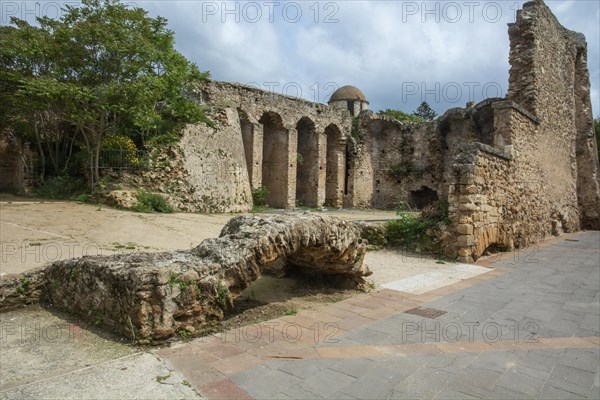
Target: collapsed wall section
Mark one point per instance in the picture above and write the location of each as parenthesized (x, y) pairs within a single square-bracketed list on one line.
[(150, 297)]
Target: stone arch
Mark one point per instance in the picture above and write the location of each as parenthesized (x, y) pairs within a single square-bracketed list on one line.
[(335, 174), (307, 172), (275, 153)]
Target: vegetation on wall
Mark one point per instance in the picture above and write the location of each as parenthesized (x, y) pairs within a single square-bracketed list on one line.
[(355, 130), (418, 231), (259, 199), (423, 113), (400, 116), (101, 69)]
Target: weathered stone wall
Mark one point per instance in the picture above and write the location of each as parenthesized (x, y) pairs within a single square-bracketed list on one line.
[(204, 172), (534, 170), (397, 160), (287, 143), (549, 78), (214, 159)]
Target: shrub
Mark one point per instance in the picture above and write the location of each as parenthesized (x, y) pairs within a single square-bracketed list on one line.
[(119, 151), (401, 116), (61, 187), (259, 196), (151, 202), (163, 140), (412, 230), (408, 229)]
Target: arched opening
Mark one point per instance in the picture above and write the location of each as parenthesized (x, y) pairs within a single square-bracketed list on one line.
[(275, 159), (335, 167), (423, 197), (307, 175), (248, 140)]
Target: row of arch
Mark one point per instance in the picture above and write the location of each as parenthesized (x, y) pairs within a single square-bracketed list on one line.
[(297, 166)]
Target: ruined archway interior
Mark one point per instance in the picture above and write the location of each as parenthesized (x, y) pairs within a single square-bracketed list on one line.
[(275, 159)]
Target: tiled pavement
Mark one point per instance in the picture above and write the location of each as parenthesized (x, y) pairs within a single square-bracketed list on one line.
[(529, 328)]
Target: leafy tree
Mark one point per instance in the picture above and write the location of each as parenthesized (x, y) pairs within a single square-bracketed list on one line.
[(401, 116), (102, 68), (425, 111)]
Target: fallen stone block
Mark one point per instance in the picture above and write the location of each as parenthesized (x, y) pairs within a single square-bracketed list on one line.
[(151, 297)]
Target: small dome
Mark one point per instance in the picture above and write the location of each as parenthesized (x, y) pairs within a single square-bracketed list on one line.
[(348, 93)]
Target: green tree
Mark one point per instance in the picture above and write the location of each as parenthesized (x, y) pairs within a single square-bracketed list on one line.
[(400, 116), (425, 111), (105, 68)]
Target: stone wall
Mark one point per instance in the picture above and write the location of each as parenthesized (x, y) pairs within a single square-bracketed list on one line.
[(216, 166), (293, 147), (397, 160), (532, 170), (549, 78)]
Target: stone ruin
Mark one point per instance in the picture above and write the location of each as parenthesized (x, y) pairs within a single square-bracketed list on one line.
[(150, 297), (513, 170)]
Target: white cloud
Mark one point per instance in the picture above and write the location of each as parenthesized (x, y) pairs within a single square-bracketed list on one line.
[(379, 46)]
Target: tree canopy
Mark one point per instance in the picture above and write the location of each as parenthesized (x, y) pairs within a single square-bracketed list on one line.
[(102, 68), (400, 116), (425, 111)]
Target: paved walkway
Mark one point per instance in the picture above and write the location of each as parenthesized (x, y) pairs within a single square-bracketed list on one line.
[(529, 328)]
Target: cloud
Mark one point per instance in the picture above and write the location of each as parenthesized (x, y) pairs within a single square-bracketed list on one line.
[(380, 46)]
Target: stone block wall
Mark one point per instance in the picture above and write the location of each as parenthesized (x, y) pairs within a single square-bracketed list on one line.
[(295, 148), (396, 159), (550, 79)]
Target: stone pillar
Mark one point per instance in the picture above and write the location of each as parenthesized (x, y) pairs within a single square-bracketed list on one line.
[(322, 157), (341, 172), (257, 156), (292, 165)]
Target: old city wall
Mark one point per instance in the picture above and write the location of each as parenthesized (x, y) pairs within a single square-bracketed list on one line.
[(397, 160), (549, 77), (536, 174), (490, 202), (294, 148)]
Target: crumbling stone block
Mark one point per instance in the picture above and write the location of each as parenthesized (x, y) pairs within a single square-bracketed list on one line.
[(150, 297)]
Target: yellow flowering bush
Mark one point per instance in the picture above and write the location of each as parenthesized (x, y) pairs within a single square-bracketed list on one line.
[(128, 151)]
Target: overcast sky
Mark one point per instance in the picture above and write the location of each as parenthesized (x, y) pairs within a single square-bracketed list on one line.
[(398, 53)]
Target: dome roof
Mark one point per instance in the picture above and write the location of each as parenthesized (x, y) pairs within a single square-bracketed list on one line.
[(348, 93)]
